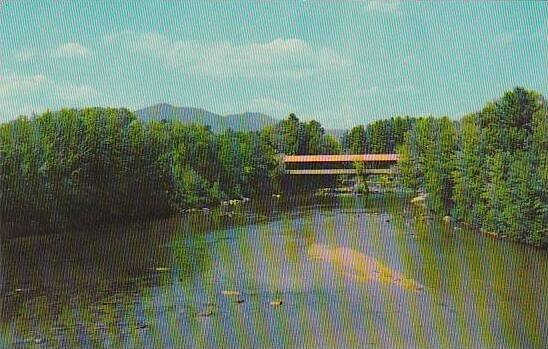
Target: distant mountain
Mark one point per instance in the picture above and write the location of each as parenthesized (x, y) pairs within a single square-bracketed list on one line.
[(250, 121), (247, 121)]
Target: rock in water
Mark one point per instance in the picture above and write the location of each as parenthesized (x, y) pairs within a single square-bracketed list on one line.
[(493, 234), (206, 313), (276, 303), (418, 200)]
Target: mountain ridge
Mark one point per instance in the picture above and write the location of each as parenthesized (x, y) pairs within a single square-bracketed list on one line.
[(246, 121)]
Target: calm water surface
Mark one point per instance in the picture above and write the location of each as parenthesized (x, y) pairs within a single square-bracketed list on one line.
[(341, 272)]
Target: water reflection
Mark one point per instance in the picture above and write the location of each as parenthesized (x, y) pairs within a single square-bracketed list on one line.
[(341, 272)]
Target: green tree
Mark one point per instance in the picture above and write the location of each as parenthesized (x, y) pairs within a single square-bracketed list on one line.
[(356, 140)]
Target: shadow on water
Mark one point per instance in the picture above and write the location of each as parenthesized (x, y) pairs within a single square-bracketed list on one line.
[(322, 272)]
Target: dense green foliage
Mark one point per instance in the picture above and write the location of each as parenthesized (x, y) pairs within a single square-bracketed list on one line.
[(489, 170), (76, 167), (431, 146), (379, 137), (79, 167), (293, 137)]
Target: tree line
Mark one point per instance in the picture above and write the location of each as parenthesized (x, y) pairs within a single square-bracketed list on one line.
[(379, 137), (488, 170), (79, 167), (293, 137), (75, 167), (82, 166)]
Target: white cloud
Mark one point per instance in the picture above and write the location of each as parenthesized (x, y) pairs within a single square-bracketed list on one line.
[(29, 109), (383, 6), (67, 50), (504, 39), (26, 54), (17, 94), (25, 94), (70, 50), (280, 58), (12, 85), (510, 38), (406, 88), (77, 93)]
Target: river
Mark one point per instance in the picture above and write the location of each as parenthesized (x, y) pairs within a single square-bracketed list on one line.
[(333, 272)]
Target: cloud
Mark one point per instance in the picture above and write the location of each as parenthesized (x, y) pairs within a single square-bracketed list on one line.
[(75, 93), (504, 39), (280, 58), (406, 88), (70, 50), (13, 85), (26, 109), (27, 54), (24, 94), (17, 92), (382, 6), (510, 38)]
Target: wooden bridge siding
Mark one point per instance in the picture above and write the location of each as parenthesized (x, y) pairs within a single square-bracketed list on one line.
[(293, 161), (341, 158), (340, 171)]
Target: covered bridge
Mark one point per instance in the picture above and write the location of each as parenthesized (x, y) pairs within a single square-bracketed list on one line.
[(339, 164)]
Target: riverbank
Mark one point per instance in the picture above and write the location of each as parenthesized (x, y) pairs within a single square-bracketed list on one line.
[(419, 202), (231, 213), (198, 280)]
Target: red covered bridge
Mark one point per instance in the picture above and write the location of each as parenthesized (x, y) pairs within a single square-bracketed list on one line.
[(339, 164)]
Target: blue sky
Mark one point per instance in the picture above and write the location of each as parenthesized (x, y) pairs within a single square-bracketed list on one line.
[(342, 63)]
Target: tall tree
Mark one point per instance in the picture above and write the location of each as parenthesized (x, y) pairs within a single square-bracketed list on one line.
[(356, 140)]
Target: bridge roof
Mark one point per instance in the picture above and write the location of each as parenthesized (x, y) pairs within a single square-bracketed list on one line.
[(341, 158)]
